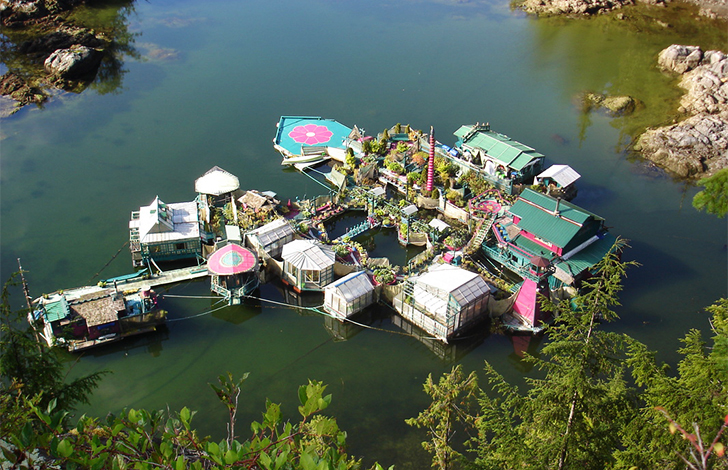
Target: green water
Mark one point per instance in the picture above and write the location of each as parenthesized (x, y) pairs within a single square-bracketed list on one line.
[(210, 81)]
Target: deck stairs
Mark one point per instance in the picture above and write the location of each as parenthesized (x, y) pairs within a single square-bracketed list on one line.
[(481, 232), (356, 230)]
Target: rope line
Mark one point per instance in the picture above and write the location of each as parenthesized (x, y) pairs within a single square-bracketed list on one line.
[(199, 314), (190, 296), (108, 263), (316, 309)]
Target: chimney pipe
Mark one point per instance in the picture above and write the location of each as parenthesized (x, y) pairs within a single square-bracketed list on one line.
[(556, 211)]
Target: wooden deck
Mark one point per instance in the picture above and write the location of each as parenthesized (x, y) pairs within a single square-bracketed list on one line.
[(166, 277)]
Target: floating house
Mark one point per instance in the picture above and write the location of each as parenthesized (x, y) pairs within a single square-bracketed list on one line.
[(88, 317), (496, 156), (543, 236), (307, 265), (444, 301), (233, 272), (165, 232), (349, 295), (269, 239)]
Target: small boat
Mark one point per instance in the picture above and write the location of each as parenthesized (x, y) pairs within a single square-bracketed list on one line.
[(298, 159)]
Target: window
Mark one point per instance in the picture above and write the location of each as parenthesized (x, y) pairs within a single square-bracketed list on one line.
[(311, 275)]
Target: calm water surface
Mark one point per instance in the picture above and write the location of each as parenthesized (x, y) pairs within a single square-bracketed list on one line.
[(208, 87)]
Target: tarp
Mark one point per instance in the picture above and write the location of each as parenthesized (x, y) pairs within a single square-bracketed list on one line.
[(525, 305)]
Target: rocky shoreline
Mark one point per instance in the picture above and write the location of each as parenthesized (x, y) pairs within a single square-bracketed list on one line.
[(62, 55), (697, 146)]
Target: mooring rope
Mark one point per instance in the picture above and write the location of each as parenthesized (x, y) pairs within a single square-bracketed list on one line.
[(108, 263), (316, 309), (190, 296), (199, 314)]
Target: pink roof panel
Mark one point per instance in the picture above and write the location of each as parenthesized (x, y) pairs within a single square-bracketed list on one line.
[(231, 259)]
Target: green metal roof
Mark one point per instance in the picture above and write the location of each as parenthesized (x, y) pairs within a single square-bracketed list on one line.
[(498, 146), (589, 256), (536, 211), (57, 310)]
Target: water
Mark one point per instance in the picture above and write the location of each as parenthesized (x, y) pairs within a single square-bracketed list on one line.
[(208, 87)]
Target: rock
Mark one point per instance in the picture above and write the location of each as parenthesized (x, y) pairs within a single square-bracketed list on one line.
[(697, 146), (680, 59), (15, 87), (613, 105), (75, 62), (693, 148)]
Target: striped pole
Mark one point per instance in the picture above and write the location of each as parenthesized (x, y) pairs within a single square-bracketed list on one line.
[(431, 164)]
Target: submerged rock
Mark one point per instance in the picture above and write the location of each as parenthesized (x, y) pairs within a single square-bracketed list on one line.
[(78, 61), (613, 105), (697, 146)]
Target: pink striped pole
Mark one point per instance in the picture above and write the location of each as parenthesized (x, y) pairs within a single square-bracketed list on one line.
[(431, 164)]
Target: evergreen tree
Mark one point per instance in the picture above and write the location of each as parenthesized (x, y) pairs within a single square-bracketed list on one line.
[(714, 198), (697, 394), (570, 418), (29, 365)]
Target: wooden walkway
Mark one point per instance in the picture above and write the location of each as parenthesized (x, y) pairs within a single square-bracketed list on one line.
[(166, 277)]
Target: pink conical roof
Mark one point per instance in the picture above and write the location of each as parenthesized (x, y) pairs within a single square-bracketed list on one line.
[(231, 259)]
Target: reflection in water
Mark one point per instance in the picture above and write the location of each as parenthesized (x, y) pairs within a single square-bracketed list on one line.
[(450, 353), (639, 34), (27, 44)]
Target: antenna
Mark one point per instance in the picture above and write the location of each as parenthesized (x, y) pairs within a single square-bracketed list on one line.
[(25, 287)]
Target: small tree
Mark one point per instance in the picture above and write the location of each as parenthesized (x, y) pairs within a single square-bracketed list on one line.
[(32, 365)]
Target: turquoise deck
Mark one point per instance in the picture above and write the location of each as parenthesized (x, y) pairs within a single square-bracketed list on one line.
[(296, 131)]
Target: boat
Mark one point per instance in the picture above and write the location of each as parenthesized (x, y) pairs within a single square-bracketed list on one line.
[(90, 316), (309, 155)]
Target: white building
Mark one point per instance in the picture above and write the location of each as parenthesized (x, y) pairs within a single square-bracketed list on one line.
[(443, 301), (349, 295)]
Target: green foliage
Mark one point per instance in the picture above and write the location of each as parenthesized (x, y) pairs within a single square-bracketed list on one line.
[(385, 136), (451, 397), (573, 415), (398, 128), (402, 147), (37, 369), (350, 159), (714, 198), (697, 394), (140, 439), (413, 176), (395, 167)]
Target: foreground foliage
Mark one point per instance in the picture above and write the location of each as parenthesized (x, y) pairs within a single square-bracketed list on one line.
[(35, 429), (584, 411), (36, 437)]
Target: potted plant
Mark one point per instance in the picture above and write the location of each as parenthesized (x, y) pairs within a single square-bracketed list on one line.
[(384, 276)]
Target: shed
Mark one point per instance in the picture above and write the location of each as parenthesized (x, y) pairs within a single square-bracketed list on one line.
[(271, 237), (444, 301), (561, 175), (307, 265), (349, 295), (507, 158)]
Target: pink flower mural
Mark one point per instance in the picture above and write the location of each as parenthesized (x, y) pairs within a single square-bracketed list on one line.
[(311, 134)]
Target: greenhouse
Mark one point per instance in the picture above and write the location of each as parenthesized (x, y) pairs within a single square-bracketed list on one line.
[(307, 265), (349, 295), (444, 301)]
